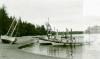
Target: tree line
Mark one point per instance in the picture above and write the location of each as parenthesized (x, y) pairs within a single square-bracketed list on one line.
[(23, 28)]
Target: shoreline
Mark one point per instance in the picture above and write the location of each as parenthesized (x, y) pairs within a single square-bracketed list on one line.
[(8, 51), (14, 53)]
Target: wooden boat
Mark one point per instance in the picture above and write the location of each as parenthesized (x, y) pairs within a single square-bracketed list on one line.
[(70, 40), (56, 40), (9, 39), (65, 35)]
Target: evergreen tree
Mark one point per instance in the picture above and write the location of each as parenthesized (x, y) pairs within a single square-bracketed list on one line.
[(4, 21), (23, 28)]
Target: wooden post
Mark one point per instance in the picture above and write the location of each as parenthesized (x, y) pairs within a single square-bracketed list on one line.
[(71, 36)]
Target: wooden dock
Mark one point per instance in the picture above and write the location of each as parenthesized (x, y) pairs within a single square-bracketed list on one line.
[(65, 42)]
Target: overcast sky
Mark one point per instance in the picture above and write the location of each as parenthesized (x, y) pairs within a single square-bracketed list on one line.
[(75, 14)]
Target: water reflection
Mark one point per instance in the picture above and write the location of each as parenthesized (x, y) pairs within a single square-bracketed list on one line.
[(91, 51), (69, 52)]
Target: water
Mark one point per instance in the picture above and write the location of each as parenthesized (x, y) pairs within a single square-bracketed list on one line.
[(90, 51)]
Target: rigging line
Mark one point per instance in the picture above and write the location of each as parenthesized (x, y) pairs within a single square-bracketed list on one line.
[(10, 27), (14, 28)]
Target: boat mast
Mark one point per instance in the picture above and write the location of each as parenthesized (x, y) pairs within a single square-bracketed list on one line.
[(71, 39), (66, 33), (57, 33), (10, 27), (48, 29), (14, 29)]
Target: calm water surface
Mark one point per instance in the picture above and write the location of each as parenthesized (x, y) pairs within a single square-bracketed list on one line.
[(91, 51)]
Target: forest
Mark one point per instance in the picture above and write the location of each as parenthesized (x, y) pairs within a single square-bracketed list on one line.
[(22, 29)]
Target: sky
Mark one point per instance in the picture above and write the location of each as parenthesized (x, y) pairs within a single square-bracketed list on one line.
[(75, 14)]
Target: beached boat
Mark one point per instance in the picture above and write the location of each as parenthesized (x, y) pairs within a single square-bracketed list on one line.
[(9, 38)]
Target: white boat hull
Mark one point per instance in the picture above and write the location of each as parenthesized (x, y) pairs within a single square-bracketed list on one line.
[(8, 39), (53, 43)]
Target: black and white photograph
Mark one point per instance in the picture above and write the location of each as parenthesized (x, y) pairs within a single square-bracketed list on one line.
[(49, 29)]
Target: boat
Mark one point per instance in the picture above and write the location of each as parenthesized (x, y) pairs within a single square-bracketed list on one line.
[(45, 40), (65, 34), (59, 40), (9, 38), (53, 43), (70, 40)]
